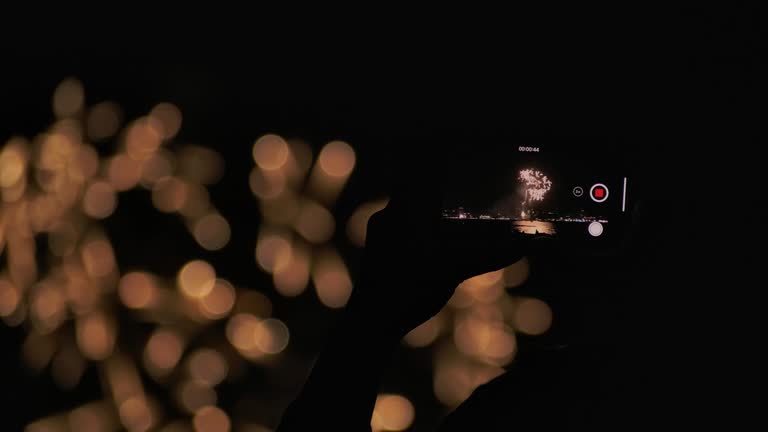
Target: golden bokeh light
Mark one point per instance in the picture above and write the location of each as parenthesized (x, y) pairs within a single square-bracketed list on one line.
[(357, 225), (241, 331), (96, 336), (13, 162), (56, 151), (314, 222), (98, 257), (270, 152), (212, 231), (82, 291), (300, 160), (485, 340), (68, 98), (192, 395), (200, 165), (266, 184), (392, 413), (197, 203), (207, 366), (22, 266), (71, 128), (103, 120), (67, 367), (271, 336), (281, 210), (169, 117), (92, 417), (123, 172), (532, 316), (331, 279), (143, 138), (170, 194), (136, 414), (10, 297), (42, 213), (16, 318), (99, 200), (87, 164), (163, 351), (337, 159), (137, 290), (13, 169), (196, 279), (16, 192), (122, 378), (157, 167), (48, 309), (472, 335), (273, 251), (219, 301), (211, 419), (292, 279), (331, 172)]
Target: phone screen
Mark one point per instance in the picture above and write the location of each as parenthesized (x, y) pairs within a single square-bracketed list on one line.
[(574, 189)]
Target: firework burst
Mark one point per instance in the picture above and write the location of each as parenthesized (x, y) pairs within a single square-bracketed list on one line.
[(536, 186)]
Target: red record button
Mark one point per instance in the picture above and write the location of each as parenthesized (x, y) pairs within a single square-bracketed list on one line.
[(599, 192)]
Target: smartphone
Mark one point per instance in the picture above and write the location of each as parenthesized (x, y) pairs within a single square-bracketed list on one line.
[(572, 190)]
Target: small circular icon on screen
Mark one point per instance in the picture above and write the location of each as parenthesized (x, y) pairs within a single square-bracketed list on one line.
[(595, 229), (599, 192), (578, 191)]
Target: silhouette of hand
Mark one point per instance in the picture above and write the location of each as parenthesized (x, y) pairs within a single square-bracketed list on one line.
[(414, 260)]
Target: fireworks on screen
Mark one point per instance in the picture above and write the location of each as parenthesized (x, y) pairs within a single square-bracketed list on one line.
[(536, 185)]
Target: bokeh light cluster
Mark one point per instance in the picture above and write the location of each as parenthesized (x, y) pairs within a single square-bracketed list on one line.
[(70, 295), (296, 193)]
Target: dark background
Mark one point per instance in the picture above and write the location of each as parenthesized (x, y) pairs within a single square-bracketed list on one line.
[(684, 92)]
